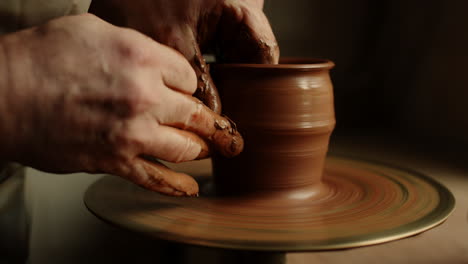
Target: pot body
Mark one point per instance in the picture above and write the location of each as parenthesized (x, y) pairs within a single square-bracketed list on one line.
[(285, 113)]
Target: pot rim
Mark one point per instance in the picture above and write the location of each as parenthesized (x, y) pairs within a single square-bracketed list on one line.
[(284, 63)]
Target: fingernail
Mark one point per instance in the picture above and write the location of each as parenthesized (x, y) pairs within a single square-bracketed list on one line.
[(237, 145)]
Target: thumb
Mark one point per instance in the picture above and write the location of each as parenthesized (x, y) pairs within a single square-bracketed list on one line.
[(206, 89), (184, 40)]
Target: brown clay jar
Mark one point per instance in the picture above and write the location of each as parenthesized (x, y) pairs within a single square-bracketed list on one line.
[(285, 113)]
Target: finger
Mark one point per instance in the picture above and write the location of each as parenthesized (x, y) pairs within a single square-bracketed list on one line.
[(254, 41), (166, 143), (183, 39), (190, 114), (163, 61), (177, 73), (157, 177), (206, 89), (175, 145)]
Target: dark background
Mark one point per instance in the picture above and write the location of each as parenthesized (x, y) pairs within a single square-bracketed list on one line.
[(400, 76), (401, 66)]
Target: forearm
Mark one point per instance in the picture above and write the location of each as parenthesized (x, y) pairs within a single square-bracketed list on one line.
[(5, 113), (14, 78)]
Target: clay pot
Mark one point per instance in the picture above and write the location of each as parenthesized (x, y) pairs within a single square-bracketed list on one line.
[(285, 113)]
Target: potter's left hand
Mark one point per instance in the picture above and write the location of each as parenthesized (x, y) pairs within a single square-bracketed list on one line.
[(237, 29)]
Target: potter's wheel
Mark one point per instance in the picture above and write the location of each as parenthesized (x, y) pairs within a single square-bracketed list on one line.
[(361, 203)]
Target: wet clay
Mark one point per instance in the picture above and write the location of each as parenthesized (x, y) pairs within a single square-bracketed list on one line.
[(206, 90), (285, 114)]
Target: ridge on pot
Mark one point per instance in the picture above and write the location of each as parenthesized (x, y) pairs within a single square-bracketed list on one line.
[(286, 115)]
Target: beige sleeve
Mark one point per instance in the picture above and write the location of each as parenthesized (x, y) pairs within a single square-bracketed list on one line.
[(19, 14)]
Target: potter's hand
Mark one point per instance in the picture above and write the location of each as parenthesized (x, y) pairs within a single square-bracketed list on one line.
[(237, 29), (83, 95)]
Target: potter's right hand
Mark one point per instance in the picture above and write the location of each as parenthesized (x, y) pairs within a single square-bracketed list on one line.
[(83, 95)]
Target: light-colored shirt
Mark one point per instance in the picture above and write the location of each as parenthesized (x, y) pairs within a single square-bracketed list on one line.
[(20, 14)]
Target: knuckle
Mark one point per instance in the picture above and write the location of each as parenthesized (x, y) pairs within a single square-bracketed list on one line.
[(123, 141), (130, 49), (116, 147), (199, 119), (134, 99), (133, 103), (196, 115)]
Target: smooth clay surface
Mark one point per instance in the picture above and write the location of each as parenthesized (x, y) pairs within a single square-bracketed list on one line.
[(285, 114)]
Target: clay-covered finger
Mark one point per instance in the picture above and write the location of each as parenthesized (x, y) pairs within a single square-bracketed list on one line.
[(188, 113), (155, 176), (206, 89), (253, 40)]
